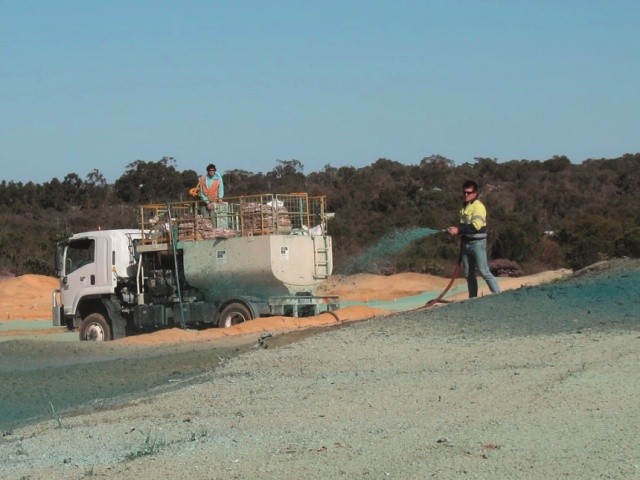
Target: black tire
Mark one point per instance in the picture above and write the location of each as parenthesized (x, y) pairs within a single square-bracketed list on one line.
[(233, 314), (95, 328)]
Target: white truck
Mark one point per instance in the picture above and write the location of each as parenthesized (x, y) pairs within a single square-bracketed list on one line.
[(252, 256)]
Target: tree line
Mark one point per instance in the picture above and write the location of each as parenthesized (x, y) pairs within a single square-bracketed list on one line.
[(542, 214)]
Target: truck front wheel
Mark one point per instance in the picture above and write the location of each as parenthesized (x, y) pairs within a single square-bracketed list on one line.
[(233, 314), (95, 328)]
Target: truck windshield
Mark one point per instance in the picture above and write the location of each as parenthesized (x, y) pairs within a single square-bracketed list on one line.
[(79, 253)]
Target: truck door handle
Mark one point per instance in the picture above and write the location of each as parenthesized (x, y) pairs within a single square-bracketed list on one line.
[(93, 279)]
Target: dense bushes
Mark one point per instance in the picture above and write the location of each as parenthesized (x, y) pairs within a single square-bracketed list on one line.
[(542, 214)]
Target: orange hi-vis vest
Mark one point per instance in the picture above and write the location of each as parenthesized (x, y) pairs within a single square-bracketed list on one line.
[(211, 192)]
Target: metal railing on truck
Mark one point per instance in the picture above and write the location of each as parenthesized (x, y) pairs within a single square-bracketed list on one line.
[(264, 214)]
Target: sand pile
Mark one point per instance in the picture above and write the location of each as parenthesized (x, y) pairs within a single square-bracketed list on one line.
[(27, 297)]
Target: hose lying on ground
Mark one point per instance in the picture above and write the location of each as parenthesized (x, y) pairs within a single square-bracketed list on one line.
[(439, 299)]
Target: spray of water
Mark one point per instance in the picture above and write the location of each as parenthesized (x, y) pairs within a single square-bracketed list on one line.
[(388, 246)]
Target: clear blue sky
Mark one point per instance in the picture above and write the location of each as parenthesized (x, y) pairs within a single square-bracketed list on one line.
[(90, 84)]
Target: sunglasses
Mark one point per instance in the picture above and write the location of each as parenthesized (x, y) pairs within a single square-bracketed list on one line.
[(468, 192)]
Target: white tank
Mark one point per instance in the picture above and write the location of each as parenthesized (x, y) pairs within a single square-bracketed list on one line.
[(261, 266)]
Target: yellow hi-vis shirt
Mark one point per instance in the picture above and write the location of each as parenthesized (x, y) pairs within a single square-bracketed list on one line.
[(473, 221)]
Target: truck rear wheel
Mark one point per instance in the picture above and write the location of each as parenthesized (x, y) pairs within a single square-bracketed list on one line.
[(233, 314), (95, 328)]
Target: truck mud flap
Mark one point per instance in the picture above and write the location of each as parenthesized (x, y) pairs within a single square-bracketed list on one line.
[(118, 322)]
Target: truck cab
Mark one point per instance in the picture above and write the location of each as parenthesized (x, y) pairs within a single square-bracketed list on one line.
[(89, 265)]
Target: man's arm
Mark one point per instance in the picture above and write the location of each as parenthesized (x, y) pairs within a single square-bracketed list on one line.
[(220, 186)]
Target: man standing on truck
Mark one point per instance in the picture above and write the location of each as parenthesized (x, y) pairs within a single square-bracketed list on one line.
[(212, 193), (472, 231)]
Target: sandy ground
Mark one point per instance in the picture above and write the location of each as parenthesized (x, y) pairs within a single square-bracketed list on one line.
[(28, 297), (540, 381)]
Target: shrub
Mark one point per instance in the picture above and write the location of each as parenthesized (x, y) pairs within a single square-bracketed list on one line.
[(505, 268), (551, 253), (629, 244)]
